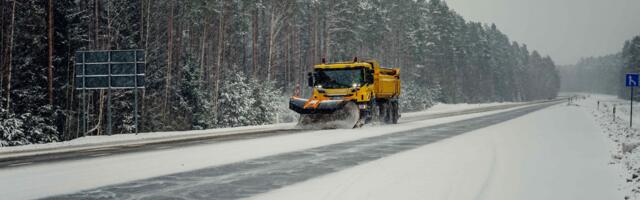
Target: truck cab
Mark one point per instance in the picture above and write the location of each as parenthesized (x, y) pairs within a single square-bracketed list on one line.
[(358, 81)]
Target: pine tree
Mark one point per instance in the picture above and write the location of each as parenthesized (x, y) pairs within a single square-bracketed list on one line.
[(30, 80), (11, 130), (267, 102), (421, 98), (196, 100), (235, 101)]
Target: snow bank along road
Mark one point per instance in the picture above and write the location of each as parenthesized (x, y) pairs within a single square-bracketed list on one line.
[(28, 156), (237, 168)]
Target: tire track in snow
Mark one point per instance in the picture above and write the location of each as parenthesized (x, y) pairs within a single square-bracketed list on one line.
[(489, 175)]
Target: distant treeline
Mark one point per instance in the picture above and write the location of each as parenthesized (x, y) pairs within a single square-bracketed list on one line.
[(603, 74), (593, 74), (630, 64), (230, 63)]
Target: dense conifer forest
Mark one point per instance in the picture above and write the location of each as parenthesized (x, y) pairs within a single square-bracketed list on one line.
[(226, 63)]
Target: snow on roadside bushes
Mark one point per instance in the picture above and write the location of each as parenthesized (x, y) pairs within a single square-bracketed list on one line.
[(625, 138), (26, 128), (419, 98), (250, 102)]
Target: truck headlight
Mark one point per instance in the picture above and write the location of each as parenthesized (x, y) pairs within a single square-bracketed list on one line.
[(320, 89), (362, 106)]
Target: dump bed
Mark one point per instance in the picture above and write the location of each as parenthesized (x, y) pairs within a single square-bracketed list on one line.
[(387, 82)]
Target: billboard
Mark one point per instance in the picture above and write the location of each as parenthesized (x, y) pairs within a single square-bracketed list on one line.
[(113, 69)]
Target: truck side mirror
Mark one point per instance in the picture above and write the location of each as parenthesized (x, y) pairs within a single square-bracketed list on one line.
[(310, 79), (369, 76)]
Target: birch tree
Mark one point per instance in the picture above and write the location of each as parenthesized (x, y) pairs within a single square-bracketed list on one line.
[(167, 85), (280, 12), (50, 41), (10, 58)]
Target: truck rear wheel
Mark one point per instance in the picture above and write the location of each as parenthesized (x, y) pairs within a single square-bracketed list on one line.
[(386, 111), (395, 112)]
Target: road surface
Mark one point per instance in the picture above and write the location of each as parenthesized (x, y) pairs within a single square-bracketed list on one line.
[(58, 156), (285, 163), (248, 178)]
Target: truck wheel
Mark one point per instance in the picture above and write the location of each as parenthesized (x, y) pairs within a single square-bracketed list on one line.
[(382, 112), (395, 112), (388, 109)]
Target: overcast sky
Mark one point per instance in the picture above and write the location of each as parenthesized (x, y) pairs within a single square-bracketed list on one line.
[(564, 29)]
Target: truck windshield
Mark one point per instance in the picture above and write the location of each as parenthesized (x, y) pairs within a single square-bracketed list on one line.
[(339, 78)]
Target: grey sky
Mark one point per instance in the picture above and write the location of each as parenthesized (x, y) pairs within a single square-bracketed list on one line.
[(564, 29)]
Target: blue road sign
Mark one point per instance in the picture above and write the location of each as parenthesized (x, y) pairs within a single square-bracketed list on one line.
[(632, 80)]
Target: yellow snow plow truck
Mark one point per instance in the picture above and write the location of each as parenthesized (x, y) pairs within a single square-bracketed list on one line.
[(349, 95)]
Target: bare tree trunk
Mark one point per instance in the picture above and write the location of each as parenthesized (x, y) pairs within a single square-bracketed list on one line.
[(146, 35), (108, 41), (286, 61), (327, 36), (254, 43), (278, 16), (50, 67), (69, 96), (109, 38), (203, 50), (2, 48), (316, 43), (146, 53), (97, 25), (141, 22), (176, 54), (100, 112), (221, 32), (9, 59), (272, 25), (289, 55), (169, 57), (300, 65)]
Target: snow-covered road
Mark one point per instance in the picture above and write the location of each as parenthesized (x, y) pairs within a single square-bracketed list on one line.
[(555, 153), (86, 147), (100, 169), (531, 157)]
